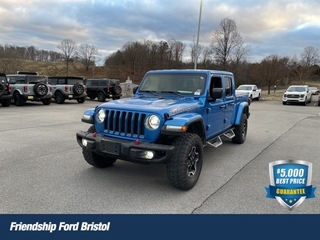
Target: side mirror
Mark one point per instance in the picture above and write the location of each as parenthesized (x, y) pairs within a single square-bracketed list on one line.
[(134, 90), (216, 93)]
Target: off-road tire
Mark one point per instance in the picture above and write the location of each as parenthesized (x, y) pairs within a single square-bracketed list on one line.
[(18, 99), (184, 168), (81, 100), (40, 89), (78, 89), (6, 102), (94, 159), (59, 98), (101, 97), (240, 131), (46, 101)]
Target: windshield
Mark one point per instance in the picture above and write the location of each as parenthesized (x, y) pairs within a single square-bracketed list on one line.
[(244, 87), (174, 82), (296, 89)]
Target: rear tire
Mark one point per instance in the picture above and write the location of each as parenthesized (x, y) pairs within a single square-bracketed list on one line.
[(18, 99), (81, 100), (59, 98), (240, 131), (101, 97), (46, 101), (6, 103)]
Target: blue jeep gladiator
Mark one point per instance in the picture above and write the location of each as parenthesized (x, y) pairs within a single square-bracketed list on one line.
[(171, 117)]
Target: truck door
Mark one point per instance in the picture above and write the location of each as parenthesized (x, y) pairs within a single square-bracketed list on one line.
[(215, 111), (229, 100)]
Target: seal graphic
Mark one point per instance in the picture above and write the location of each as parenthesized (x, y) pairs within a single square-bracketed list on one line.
[(290, 182)]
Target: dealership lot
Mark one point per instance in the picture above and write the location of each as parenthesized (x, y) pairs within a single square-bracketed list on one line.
[(42, 169)]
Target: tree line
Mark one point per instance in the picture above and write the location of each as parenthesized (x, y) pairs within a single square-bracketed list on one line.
[(227, 51)]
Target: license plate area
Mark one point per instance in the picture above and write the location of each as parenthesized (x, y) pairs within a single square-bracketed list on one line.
[(110, 147)]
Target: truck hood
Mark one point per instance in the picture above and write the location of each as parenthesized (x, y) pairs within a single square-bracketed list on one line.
[(171, 106)]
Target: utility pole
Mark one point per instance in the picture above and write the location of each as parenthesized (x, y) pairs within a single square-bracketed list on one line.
[(196, 50)]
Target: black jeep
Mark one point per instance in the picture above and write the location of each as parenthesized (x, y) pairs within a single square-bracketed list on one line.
[(103, 88), (5, 91)]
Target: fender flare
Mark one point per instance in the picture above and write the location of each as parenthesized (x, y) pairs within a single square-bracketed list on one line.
[(243, 108)]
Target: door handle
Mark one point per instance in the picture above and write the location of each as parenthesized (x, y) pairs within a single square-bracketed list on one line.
[(223, 106)]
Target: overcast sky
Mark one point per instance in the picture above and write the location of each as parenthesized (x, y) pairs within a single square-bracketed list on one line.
[(280, 27)]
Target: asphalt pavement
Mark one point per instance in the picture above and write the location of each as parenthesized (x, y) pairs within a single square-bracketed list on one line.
[(42, 169)]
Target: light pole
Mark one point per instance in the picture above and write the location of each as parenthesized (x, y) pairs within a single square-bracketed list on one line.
[(196, 48)]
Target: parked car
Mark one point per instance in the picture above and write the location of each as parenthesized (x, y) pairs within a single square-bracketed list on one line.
[(68, 87), (29, 86), (314, 90), (297, 94), (5, 91), (252, 90), (103, 88)]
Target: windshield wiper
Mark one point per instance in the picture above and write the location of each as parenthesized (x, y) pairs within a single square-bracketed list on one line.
[(153, 92), (176, 93)]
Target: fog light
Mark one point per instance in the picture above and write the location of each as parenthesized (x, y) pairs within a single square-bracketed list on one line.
[(149, 154), (84, 142)]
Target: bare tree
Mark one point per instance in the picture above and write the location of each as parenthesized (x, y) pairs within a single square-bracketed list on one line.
[(270, 71), (68, 48), (87, 55), (225, 41), (303, 70)]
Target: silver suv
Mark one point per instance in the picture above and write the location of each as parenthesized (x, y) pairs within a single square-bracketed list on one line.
[(67, 87), (30, 86)]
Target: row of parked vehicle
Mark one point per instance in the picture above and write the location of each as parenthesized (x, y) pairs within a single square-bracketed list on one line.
[(30, 86), (301, 94)]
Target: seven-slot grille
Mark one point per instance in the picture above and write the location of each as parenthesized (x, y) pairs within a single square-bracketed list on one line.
[(129, 124)]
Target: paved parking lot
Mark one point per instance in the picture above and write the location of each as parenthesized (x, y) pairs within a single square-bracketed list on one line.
[(42, 169)]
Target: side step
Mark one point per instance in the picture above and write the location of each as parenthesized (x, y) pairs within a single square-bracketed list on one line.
[(230, 134), (216, 142)]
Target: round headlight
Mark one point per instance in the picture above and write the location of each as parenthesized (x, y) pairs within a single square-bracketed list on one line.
[(101, 115), (153, 122)]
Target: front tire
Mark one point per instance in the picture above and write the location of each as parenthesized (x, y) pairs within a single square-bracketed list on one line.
[(240, 131), (184, 168), (94, 159)]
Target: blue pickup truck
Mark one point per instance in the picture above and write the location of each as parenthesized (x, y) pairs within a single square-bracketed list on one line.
[(171, 117)]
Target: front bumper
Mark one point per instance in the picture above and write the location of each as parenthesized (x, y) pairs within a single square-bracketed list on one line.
[(132, 151)]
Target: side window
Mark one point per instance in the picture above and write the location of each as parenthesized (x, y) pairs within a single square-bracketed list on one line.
[(228, 86), (53, 81), (61, 81), (216, 82)]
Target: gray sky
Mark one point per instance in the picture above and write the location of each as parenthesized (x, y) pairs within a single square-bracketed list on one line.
[(280, 27)]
